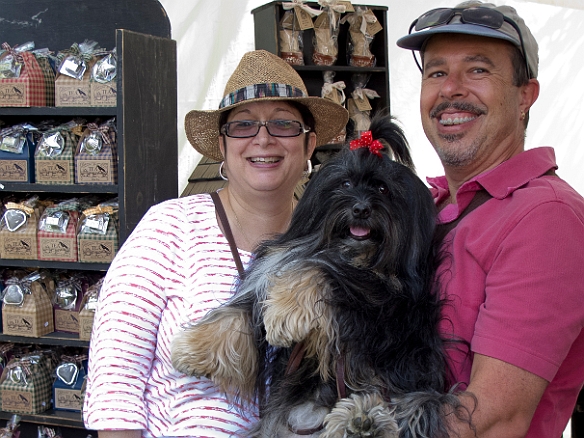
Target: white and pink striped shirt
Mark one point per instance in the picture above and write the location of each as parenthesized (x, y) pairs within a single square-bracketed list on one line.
[(174, 267)]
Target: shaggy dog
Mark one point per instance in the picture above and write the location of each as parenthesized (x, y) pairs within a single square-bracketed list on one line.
[(333, 329)]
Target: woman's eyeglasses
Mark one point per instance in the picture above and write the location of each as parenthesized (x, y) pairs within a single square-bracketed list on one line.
[(486, 17), (276, 128)]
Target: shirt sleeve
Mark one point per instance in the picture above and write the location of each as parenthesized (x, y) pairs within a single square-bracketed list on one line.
[(125, 327), (534, 291)]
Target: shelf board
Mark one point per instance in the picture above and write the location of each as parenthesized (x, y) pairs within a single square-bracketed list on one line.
[(49, 111), (17, 263), (339, 68), (55, 338), (50, 417), (59, 188)]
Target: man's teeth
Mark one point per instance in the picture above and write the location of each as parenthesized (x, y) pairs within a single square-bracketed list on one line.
[(456, 120), (264, 160)]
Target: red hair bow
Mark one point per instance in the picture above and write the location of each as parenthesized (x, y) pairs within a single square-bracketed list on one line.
[(366, 141)]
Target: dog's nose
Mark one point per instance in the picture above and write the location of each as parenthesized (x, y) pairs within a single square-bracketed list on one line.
[(361, 210)]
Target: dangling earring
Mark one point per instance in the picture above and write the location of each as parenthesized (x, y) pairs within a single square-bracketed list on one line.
[(308, 171), (522, 115), (223, 177)]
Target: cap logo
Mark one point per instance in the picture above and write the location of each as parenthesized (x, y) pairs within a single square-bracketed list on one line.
[(261, 90)]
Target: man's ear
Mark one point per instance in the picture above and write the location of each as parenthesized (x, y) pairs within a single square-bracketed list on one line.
[(529, 94)]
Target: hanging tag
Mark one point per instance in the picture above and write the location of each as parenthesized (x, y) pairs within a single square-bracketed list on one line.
[(362, 103), (304, 19), (373, 24)]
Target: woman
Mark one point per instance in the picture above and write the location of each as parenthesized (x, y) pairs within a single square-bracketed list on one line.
[(178, 263)]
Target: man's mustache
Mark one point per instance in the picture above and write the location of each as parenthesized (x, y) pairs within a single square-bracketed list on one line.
[(460, 106)]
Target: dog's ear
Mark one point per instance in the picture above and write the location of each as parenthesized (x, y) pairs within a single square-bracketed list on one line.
[(384, 128)]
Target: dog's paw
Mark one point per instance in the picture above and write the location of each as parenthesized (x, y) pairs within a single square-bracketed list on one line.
[(360, 416), (220, 348)]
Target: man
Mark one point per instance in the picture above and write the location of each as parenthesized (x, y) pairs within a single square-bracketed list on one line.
[(512, 274)]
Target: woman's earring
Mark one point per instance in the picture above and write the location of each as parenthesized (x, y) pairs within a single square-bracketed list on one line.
[(223, 177), (522, 115), (308, 171)]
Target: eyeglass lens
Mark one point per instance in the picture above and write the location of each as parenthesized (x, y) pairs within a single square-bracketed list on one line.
[(250, 128)]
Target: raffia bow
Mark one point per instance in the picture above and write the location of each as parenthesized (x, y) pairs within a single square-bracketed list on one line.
[(329, 87), (16, 55), (103, 130), (366, 141), (99, 210), (333, 7), (362, 93), (20, 206), (300, 4)]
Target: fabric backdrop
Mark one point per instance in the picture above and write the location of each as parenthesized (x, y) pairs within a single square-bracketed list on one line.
[(212, 35)]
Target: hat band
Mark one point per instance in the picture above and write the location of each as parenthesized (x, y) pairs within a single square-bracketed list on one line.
[(261, 90)]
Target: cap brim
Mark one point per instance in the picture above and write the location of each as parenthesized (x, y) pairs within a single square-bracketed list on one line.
[(416, 41)]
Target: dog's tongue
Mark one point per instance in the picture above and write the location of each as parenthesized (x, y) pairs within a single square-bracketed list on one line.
[(359, 231)]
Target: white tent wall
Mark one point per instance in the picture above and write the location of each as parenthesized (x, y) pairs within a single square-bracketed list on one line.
[(212, 35)]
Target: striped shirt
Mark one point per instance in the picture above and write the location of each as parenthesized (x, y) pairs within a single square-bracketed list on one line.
[(174, 268)]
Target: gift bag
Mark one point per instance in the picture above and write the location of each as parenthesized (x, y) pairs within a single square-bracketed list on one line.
[(28, 87), (26, 385)]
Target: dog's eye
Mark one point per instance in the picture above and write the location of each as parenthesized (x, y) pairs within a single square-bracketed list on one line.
[(346, 184), (383, 189)]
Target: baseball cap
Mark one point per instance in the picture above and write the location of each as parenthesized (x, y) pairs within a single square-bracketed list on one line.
[(475, 18)]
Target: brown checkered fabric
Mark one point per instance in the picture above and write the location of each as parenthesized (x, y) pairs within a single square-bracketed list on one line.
[(29, 87), (49, 76)]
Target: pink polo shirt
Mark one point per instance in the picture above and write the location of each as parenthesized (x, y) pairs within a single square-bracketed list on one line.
[(514, 279)]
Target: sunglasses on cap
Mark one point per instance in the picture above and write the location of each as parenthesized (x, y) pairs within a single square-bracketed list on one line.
[(485, 17)]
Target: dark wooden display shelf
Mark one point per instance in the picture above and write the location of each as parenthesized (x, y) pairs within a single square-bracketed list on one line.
[(58, 188), (145, 116), (55, 338), (50, 417)]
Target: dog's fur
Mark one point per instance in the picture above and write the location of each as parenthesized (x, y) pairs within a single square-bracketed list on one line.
[(352, 280)]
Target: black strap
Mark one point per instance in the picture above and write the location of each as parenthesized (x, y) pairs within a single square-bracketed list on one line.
[(227, 230), (480, 197)]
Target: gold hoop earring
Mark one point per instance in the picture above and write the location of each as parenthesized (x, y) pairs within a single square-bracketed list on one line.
[(308, 170), (223, 177)]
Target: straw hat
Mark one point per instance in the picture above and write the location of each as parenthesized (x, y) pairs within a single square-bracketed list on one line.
[(260, 76)]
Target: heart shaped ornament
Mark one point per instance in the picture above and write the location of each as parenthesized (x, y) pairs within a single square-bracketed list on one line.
[(68, 372), (13, 295), (14, 219)]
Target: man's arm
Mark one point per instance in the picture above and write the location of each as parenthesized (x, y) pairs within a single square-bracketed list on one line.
[(506, 399)]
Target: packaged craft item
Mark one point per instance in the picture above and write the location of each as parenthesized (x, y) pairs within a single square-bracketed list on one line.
[(103, 85), (69, 375), (18, 229), (363, 25), (26, 385), (358, 105), (17, 153), (57, 233), (326, 32), (26, 305), (97, 238), (72, 84), (22, 80), (54, 156), (88, 308), (95, 156), (11, 429), (334, 91), (296, 18)]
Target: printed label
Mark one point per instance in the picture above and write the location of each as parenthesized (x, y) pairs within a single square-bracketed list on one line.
[(68, 399), (13, 94), (91, 171), (14, 170), (53, 171)]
